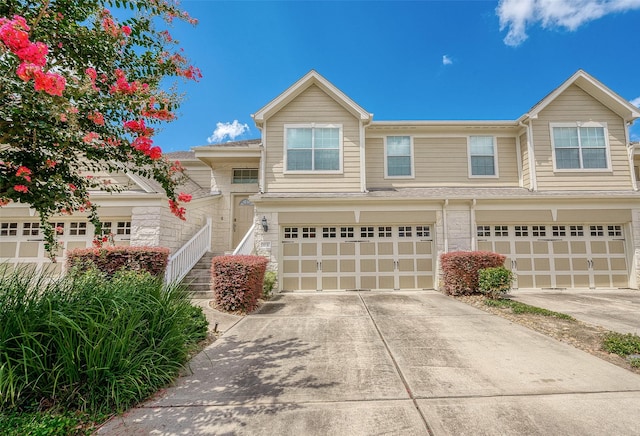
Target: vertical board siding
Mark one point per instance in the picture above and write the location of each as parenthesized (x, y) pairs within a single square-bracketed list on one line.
[(441, 162), (313, 106), (576, 105)]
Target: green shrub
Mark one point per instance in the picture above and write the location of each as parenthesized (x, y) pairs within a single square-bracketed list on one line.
[(460, 269), (88, 342), (238, 281), (621, 344), (270, 278), (494, 282)]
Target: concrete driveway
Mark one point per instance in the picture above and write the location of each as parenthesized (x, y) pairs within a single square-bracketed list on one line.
[(397, 363), (614, 309)]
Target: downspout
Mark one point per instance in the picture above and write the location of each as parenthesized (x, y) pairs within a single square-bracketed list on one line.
[(474, 233), (630, 152), (519, 161), (444, 225), (532, 158), (263, 159), (363, 172)]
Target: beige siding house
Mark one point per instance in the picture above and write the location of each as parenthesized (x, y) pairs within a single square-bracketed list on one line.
[(339, 201)]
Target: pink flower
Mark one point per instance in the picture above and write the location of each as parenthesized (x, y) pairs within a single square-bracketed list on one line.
[(142, 143), (35, 53), (154, 153), (51, 163), (185, 198), (126, 30), (51, 83), (21, 188), (92, 73), (90, 137), (96, 117), (24, 172)]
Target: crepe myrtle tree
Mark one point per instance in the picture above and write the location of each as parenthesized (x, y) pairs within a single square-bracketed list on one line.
[(81, 92)]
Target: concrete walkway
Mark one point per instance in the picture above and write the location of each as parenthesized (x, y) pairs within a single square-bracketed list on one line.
[(617, 310), (401, 363)]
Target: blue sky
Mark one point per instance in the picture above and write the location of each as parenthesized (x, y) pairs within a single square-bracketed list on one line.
[(413, 60)]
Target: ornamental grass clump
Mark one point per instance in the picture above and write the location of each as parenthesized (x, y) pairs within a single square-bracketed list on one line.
[(88, 342)]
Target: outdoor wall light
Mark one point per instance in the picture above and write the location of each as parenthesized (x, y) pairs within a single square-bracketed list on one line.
[(265, 225)]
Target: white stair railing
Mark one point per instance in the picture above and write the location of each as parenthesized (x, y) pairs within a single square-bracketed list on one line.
[(181, 262), (246, 245)]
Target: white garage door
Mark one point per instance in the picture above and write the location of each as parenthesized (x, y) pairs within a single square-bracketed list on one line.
[(560, 256), (342, 257), (22, 242)]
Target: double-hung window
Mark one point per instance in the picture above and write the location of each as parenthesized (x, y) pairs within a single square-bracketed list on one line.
[(315, 147), (399, 156), (580, 146), (482, 156)]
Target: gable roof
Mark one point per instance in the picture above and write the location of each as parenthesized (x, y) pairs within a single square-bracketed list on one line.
[(593, 87), (311, 78)]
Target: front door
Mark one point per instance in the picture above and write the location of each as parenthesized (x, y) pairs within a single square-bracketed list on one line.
[(243, 213)]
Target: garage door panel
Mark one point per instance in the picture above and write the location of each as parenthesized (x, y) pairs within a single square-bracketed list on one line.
[(543, 281), (541, 264), (290, 283), (308, 266), (386, 282), (309, 250), (600, 264), (522, 247), (599, 247), (386, 265), (618, 264), (424, 265), (503, 247), (425, 282), (329, 249), (405, 248), (525, 264), (560, 247), (368, 266), (581, 280), (385, 248), (578, 247), (347, 282), (367, 249), (290, 250), (525, 281), (580, 264), (368, 282), (330, 265), (308, 283), (348, 265), (424, 248), (485, 246), (329, 282), (348, 249), (616, 247), (602, 280), (619, 280), (8, 249), (405, 265), (540, 247), (561, 264), (407, 282), (29, 249), (563, 281)]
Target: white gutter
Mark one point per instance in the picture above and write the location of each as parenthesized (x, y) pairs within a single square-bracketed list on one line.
[(363, 173), (519, 161), (630, 152), (474, 231), (532, 157), (444, 225), (263, 159)]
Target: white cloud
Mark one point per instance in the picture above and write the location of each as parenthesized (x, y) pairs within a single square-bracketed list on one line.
[(227, 130), (517, 15), (446, 60), (636, 102)]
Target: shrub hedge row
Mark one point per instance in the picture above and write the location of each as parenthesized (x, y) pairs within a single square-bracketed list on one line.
[(237, 281), (111, 259)]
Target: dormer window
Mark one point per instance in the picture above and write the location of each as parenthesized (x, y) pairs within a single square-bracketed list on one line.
[(313, 148), (580, 146)]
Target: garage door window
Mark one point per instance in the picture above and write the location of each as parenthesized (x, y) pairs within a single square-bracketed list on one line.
[(8, 229)]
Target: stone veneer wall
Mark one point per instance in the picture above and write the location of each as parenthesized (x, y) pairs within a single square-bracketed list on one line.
[(157, 226)]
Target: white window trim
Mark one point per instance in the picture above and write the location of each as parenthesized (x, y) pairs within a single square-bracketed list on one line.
[(495, 158), (313, 126), (576, 124), (386, 167)]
